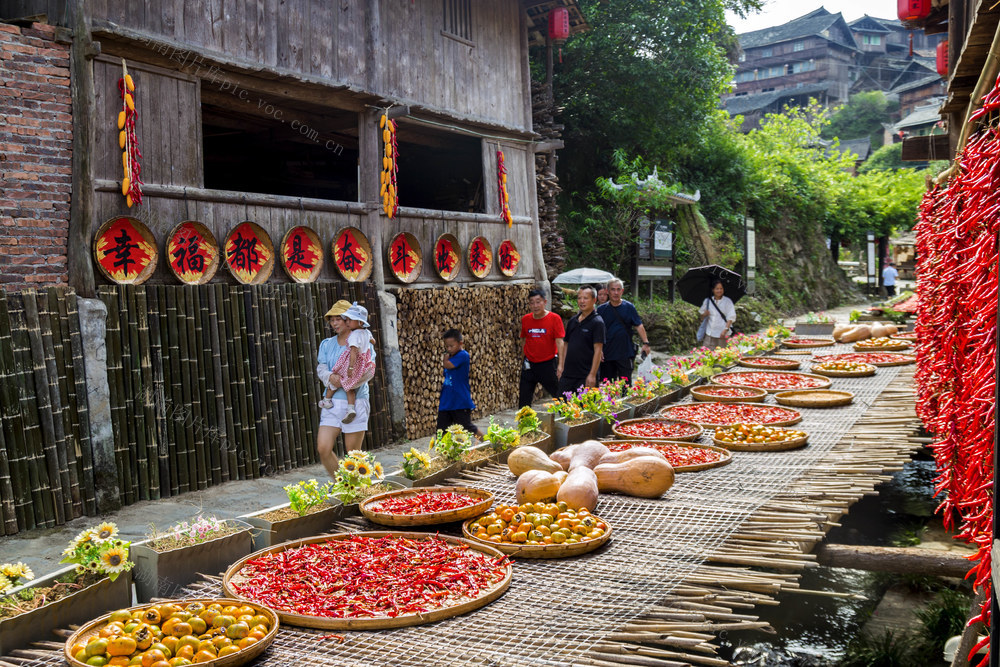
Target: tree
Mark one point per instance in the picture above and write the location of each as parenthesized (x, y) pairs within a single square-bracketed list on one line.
[(862, 116)]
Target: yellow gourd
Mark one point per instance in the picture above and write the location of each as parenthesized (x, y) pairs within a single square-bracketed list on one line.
[(536, 485), (527, 458), (646, 477)]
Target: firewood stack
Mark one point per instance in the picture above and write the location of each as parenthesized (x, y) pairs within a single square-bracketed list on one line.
[(489, 319), (547, 183)]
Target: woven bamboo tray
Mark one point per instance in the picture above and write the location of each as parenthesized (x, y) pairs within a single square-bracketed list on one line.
[(379, 622), (430, 518), (814, 398), (697, 393), (785, 365), (867, 371), (904, 359), (858, 347), (792, 352), (794, 418), (563, 550), (907, 335), (240, 658), (695, 429), (821, 342), (720, 379), (794, 443), (725, 456)]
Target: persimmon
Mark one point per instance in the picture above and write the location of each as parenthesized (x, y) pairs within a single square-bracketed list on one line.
[(121, 645)]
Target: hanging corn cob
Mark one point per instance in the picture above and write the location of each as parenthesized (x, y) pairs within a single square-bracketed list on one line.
[(390, 201), (504, 198), (131, 182)]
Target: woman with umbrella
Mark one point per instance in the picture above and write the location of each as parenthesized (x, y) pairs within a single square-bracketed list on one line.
[(721, 313)]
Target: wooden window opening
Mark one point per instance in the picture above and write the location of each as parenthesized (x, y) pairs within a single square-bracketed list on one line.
[(458, 20), (439, 169)]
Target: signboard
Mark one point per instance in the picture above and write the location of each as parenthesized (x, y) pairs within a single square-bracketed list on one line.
[(192, 253), (508, 258), (249, 254), (404, 257), (352, 255), (480, 257), (446, 259), (301, 254), (751, 254), (125, 251), (872, 276), (663, 239)]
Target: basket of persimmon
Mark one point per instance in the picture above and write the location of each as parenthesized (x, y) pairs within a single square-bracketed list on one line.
[(758, 438), (844, 369), (539, 530)]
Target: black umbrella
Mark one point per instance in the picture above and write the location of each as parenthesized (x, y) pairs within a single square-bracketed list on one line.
[(696, 284)]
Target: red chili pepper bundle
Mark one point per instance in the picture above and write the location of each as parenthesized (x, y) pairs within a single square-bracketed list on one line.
[(424, 503), (956, 328), (677, 455), (502, 196), (360, 576), (127, 141)]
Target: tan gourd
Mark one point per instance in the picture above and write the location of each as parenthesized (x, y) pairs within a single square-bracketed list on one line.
[(629, 454), (891, 329), (528, 458), (587, 455), (855, 334), (840, 329), (579, 489), (535, 486), (646, 477), (878, 331), (563, 456)]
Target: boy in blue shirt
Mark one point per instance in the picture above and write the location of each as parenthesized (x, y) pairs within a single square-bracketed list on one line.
[(456, 404)]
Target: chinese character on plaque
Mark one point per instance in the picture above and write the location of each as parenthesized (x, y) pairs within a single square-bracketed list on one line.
[(125, 251), (352, 255), (249, 254), (508, 258), (192, 253), (480, 257), (404, 257), (446, 258), (301, 255)]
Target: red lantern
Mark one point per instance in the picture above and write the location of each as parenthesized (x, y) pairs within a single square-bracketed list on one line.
[(559, 24), (913, 10), (942, 58)]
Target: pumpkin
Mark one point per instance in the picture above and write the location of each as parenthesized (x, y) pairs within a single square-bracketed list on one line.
[(579, 489), (646, 477), (564, 456), (840, 329), (891, 329), (535, 486), (587, 455), (855, 334), (878, 331), (629, 454), (528, 458)]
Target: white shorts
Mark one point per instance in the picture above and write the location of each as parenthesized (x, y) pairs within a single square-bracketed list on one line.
[(333, 416)]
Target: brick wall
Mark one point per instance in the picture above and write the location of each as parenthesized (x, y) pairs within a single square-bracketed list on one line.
[(36, 133)]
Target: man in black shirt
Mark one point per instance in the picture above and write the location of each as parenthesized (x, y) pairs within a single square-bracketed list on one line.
[(584, 345), (619, 316)]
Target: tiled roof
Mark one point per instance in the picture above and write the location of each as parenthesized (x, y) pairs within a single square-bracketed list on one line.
[(920, 116), (860, 147), (868, 24), (813, 23), (745, 103), (919, 83)]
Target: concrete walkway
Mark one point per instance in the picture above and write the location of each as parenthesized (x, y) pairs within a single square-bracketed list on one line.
[(42, 549)]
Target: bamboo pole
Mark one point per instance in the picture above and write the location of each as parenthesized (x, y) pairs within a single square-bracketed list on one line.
[(137, 444), (205, 403), (80, 405), (179, 452), (223, 415), (114, 365), (156, 389), (146, 397), (13, 424), (64, 371), (265, 438), (51, 375), (197, 462), (236, 333)]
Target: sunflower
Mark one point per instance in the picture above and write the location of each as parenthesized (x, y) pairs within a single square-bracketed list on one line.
[(14, 572), (349, 465), (5, 584), (105, 531), (85, 537), (93, 566), (364, 469), (379, 472), (115, 559), (357, 455)]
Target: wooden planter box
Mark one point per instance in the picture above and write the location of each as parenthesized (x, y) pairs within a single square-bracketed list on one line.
[(668, 398), (546, 422), (268, 534), (84, 605), (546, 444), (570, 435), (644, 408), (814, 329), (439, 476), (163, 573)]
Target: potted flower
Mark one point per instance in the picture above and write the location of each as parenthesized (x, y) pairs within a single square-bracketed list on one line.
[(642, 396), (501, 440), (529, 427), (360, 476), (310, 510), (167, 560), (816, 324), (97, 582), (426, 469), (607, 403), (572, 423)]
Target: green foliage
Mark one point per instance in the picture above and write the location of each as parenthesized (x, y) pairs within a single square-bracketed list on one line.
[(942, 618), (452, 443), (303, 496), (886, 650), (862, 116), (886, 158), (502, 438)]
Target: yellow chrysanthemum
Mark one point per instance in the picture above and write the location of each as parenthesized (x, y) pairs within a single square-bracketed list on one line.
[(83, 538), (5, 584), (364, 469), (379, 472), (350, 465), (16, 571), (114, 559), (105, 531)]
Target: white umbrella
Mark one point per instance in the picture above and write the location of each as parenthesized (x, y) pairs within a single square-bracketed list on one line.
[(583, 276)]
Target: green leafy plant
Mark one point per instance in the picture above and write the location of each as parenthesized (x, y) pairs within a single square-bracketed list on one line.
[(503, 438), (13, 575), (818, 318), (452, 443), (356, 471), (414, 461), (527, 420), (304, 496), (186, 534), (943, 617), (855, 315), (99, 550), (886, 650)]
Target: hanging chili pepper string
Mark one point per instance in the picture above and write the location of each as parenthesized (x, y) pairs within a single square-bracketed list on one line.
[(503, 198), (390, 166), (128, 141)]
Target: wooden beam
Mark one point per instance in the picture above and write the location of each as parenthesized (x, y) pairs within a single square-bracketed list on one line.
[(899, 560), (80, 270), (547, 146)]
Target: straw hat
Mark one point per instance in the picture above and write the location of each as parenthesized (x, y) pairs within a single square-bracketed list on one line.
[(338, 309)]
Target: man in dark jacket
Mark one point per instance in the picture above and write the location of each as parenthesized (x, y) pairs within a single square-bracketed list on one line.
[(619, 317)]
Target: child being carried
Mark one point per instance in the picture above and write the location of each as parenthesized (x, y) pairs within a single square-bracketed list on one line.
[(355, 365)]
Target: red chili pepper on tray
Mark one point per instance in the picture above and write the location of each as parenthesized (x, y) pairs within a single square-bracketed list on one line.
[(658, 428), (677, 455), (769, 380), (723, 414), (424, 503)]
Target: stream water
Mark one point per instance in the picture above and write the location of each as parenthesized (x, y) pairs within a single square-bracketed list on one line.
[(813, 631)]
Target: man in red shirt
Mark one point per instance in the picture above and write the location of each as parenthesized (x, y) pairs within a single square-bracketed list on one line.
[(543, 333)]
